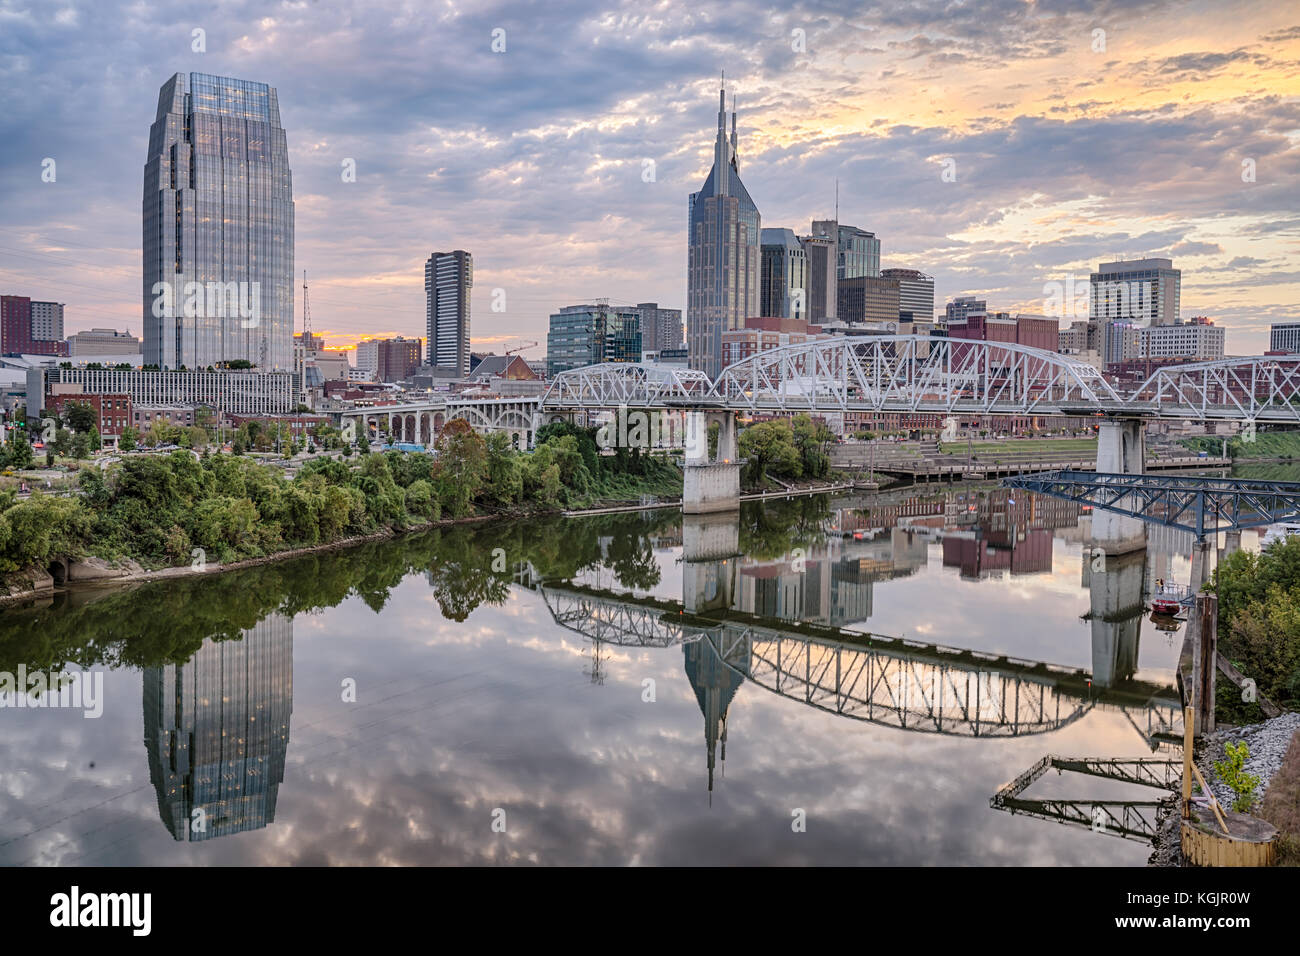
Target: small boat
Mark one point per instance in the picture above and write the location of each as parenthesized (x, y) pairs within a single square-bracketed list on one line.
[(1279, 532), (1168, 598)]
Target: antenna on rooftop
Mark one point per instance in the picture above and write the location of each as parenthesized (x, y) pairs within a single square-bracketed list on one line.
[(306, 311)]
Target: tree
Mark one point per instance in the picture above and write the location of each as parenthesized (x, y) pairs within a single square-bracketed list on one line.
[(62, 442), (504, 483), (462, 466), (127, 440), (80, 416), (770, 446), (812, 438)]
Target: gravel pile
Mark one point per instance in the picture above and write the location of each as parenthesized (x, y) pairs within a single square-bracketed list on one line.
[(1268, 743)]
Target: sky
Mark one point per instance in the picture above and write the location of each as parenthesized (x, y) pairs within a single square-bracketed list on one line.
[(563, 158)]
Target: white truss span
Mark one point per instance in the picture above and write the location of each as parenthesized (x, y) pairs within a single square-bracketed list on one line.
[(912, 373), (1254, 388), (625, 383)]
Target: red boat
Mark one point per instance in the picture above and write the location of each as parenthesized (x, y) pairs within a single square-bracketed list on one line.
[(1168, 599)]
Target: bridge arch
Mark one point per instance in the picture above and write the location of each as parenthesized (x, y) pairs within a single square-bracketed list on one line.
[(1250, 388), (624, 383), (913, 373)]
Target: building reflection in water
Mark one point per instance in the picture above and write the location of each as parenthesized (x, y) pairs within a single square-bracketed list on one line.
[(216, 729)]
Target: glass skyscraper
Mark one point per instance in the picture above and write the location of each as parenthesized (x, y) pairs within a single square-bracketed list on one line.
[(218, 227), (723, 254), (583, 335), (216, 729)]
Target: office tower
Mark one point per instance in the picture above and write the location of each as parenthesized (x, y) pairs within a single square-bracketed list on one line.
[(868, 299), (1284, 337), (857, 251), (397, 358), (367, 359), (660, 328), (823, 281), (915, 292), (1199, 340), (216, 730), (103, 342), (591, 334), (25, 324), (723, 267), (448, 278), (784, 289), (963, 306), (1138, 292), (218, 227), (47, 321)]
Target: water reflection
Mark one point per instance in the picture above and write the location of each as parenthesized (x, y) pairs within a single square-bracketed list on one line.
[(776, 614), (216, 729)]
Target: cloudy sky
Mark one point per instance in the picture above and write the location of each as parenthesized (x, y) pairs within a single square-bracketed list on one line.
[(1079, 132)]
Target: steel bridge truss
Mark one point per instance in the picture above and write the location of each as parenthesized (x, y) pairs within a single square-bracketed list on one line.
[(916, 694), (624, 383), (914, 373), (1198, 505), (1129, 819), (1256, 388)]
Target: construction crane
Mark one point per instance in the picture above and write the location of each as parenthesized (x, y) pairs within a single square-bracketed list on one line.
[(306, 312), (522, 347)]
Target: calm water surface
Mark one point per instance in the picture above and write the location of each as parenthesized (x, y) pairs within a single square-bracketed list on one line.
[(610, 689)]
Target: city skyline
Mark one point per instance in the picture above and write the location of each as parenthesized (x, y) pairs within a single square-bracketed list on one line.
[(560, 176)]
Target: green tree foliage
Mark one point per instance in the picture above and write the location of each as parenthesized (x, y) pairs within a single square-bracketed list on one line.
[(769, 448), (1259, 618), (462, 467), (80, 416)]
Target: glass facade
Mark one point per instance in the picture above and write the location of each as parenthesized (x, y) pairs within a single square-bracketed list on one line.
[(218, 227), (858, 251), (723, 255), (216, 729), (590, 334), (784, 292)]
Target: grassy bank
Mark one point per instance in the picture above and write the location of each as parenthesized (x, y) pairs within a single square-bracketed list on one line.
[(1266, 444)]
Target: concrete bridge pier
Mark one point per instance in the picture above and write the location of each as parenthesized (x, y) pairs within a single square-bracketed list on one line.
[(711, 484), (710, 549), (1121, 450), (1117, 605)]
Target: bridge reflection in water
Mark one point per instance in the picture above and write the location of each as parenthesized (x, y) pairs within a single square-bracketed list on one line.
[(905, 684)]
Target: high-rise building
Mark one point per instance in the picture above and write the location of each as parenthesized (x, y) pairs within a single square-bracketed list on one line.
[(218, 227), (19, 326), (857, 251), (448, 278), (823, 289), (47, 321), (660, 328), (915, 292), (397, 358), (216, 730), (367, 357), (591, 334), (723, 260), (103, 342), (868, 299), (1284, 337), (1199, 340), (784, 290), (964, 305), (1137, 292)]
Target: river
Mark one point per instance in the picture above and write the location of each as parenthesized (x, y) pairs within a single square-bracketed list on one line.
[(793, 686)]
